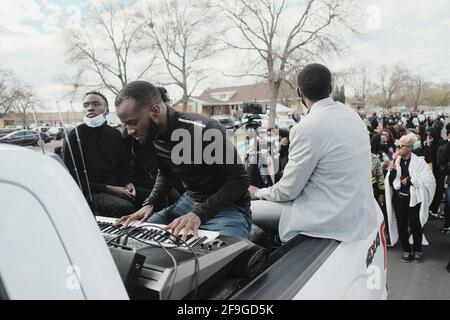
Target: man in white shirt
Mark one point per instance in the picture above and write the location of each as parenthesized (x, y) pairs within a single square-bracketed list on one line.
[(326, 190)]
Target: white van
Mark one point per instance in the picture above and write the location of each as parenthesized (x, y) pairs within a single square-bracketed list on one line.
[(52, 247)]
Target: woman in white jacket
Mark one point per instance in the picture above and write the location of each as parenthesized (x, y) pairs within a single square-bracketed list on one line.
[(413, 189)]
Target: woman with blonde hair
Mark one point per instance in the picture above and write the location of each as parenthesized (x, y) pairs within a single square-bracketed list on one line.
[(410, 187)]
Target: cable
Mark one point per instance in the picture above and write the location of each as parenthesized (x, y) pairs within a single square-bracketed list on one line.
[(128, 233), (175, 263), (81, 153), (197, 264), (69, 146), (121, 234)]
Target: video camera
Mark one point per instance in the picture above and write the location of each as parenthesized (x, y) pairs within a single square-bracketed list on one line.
[(254, 111), (254, 108)]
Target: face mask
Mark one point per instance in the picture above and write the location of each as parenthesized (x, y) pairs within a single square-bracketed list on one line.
[(384, 147), (417, 145), (95, 122), (430, 139)]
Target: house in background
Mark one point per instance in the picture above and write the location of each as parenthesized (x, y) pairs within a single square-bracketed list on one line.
[(13, 119), (230, 100)]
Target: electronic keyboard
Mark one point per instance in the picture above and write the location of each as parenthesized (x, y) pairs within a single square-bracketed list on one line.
[(138, 235)]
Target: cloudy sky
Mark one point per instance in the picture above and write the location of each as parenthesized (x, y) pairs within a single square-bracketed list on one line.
[(414, 32)]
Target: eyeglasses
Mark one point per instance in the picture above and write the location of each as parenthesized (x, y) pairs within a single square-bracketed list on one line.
[(401, 146)]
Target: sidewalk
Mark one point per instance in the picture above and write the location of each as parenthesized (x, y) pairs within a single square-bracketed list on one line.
[(424, 281)]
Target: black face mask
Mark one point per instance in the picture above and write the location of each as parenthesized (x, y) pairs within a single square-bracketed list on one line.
[(383, 147), (152, 131)]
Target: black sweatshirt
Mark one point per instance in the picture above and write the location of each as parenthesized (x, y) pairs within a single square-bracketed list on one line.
[(212, 186), (105, 155), (404, 166)]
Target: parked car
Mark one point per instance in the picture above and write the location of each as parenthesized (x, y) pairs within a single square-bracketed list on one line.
[(45, 137), (56, 133), (5, 131), (24, 138)]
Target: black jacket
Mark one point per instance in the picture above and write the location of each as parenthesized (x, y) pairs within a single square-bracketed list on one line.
[(443, 158), (105, 155), (213, 187)]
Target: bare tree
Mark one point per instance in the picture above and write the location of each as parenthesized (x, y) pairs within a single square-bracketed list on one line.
[(106, 47), (415, 90), (185, 38), (25, 102), (8, 91), (392, 81), (437, 94), (282, 36), (357, 78)]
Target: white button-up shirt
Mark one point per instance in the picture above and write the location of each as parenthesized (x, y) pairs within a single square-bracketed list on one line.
[(328, 177)]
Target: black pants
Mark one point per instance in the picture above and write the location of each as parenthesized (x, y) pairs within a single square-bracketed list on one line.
[(447, 207), (440, 185), (386, 224), (408, 216), (115, 207)]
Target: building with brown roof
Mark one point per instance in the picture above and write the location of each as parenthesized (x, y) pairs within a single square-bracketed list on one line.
[(52, 119), (230, 100)]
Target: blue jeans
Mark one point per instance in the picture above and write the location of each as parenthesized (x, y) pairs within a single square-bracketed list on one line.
[(232, 221)]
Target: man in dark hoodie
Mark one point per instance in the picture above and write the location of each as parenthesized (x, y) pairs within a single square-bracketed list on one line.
[(432, 143), (443, 159), (101, 152)]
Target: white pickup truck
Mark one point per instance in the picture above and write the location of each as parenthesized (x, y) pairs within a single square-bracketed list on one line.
[(51, 247)]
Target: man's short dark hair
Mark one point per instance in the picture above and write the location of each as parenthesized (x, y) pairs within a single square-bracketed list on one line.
[(315, 82), (143, 92), (98, 94)]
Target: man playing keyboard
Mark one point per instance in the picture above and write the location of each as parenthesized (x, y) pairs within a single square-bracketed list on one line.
[(217, 196)]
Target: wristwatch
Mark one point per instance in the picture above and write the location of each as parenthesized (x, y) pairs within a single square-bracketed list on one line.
[(146, 203)]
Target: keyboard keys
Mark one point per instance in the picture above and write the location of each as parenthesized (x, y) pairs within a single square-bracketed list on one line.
[(145, 235)]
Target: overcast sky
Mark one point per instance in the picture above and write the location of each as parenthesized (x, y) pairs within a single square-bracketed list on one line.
[(414, 32)]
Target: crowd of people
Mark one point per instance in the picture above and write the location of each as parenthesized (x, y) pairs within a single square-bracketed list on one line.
[(134, 175), (410, 164)]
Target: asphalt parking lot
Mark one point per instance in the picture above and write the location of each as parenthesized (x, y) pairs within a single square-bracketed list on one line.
[(421, 281)]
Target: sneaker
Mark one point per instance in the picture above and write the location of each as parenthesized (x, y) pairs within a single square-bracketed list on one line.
[(433, 215), (445, 230), (407, 257), (418, 257)]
